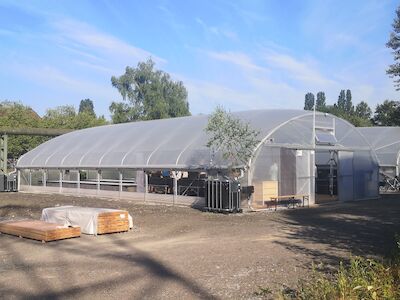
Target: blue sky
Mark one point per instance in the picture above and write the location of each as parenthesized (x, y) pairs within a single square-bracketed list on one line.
[(240, 54)]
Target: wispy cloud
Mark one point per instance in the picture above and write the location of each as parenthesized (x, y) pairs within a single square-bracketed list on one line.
[(236, 58), (83, 35), (296, 69), (217, 30)]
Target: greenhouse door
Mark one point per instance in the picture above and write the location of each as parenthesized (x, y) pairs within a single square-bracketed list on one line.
[(287, 183), (345, 175)]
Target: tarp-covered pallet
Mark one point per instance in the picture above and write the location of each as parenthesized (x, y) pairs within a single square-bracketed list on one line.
[(91, 220), (39, 230)]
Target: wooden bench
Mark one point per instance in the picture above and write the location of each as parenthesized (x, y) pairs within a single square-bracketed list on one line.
[(290, 198)]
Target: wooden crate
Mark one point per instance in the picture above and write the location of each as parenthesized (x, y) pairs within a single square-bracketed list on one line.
[(110, 222), (39, 230), (264, 190)]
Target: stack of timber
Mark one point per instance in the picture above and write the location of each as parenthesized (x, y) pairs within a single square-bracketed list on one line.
[(263, 191), (110, 222), (39, 230), (91, 220)]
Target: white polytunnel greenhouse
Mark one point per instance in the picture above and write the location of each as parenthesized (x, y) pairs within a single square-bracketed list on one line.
[(385, 141), (168, 161)]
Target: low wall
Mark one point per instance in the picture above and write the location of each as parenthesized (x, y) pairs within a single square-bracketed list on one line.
[(150, 198)]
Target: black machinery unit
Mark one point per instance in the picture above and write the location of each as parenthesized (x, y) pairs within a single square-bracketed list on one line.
[(8, 183), (222, 195)]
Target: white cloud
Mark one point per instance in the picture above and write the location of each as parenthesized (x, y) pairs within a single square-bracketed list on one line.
[(79, 36), (236, 58), (297, 69)]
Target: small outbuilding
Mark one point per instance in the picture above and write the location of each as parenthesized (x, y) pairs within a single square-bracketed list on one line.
[(168, 161)]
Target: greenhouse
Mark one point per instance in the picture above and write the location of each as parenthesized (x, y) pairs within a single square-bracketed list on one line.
[(321, 156), (385, 141)]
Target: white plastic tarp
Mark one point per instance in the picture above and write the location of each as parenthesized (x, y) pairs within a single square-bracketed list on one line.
[(84, 217)]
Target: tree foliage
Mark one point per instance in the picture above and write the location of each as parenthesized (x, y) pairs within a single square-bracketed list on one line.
[(344, 108), (148, 94), (321, 101), (66, 117), (87, 106), (387, 113), (236, 140), (17, 115), (309, 101), (394, 43)]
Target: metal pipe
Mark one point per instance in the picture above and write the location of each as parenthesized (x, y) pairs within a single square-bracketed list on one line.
[(120, 182), (18, 180), (146, 185), (175, 188), (78, 183), (60, 175)]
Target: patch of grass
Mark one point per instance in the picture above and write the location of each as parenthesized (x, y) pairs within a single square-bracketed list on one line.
[(361, 278)]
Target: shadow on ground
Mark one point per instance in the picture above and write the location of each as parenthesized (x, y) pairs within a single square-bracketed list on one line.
[(360, 228)]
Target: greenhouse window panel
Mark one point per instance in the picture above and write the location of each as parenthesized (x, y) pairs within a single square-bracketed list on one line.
[(325, 138)]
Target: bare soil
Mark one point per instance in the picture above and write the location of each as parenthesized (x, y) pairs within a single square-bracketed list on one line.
[(183, 253)]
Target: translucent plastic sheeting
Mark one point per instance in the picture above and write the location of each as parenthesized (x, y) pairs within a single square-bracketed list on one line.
[(386, 143), (177, 143), (84, 217)]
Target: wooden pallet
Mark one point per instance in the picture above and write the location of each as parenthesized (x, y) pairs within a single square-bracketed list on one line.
[(39, 230), (110, 222)]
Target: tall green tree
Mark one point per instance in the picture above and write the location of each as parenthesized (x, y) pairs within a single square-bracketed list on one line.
[(321, 101), (348, 107), (232, 137), (341, 103), (387, 113), (86, 105), (148, 94), (17, 115), (394, 43), (309, 101)]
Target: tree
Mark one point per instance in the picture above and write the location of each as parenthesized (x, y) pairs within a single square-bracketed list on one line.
[(394, 43), (17, 115), (309, 101), (387, 113), (363, 110), (234, 139), (86, 105), (341, 103), (149, 93), (321, 101), (66, 117), (348, 106)]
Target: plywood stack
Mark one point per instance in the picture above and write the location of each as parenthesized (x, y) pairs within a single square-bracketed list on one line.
[(110, 222), (39, 230), (263, 191)]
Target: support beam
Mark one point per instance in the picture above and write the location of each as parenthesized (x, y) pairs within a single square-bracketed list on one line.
[(78, 182), (120, 183), (44, 176), (33, 131), (98, 181), (3, 153), (60, 177), (175, 188), (146, 185), (18, 180)]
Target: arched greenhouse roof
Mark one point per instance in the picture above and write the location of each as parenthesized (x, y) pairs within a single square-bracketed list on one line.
[(386, 143), (180, 143)]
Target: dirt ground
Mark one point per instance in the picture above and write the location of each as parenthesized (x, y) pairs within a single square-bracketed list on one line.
[(183, 253)]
